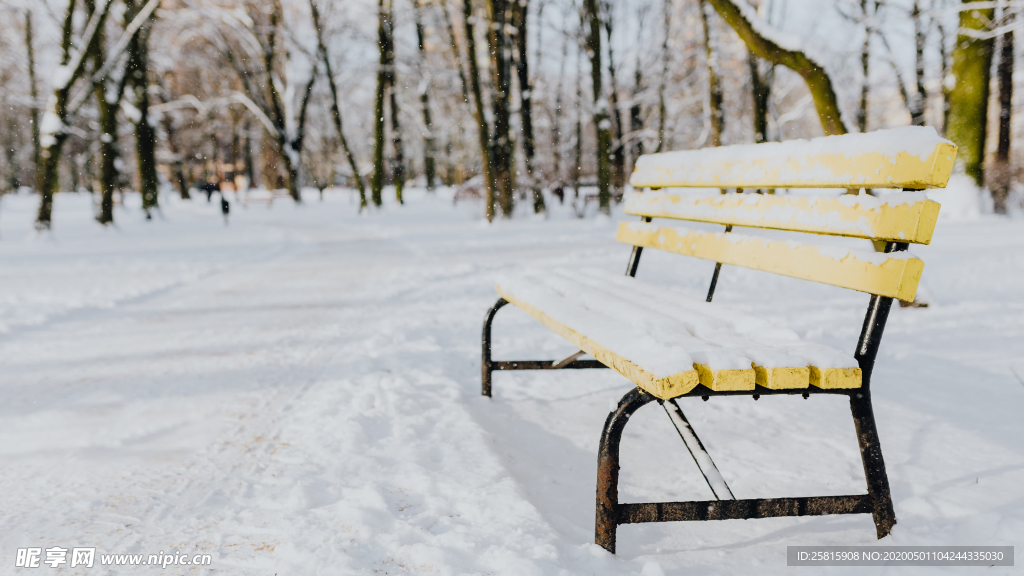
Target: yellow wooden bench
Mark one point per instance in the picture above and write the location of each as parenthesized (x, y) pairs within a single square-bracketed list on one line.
[(671, 347)]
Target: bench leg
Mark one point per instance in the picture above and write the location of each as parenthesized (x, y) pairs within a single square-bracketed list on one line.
[(486, 364), (608, 467), (874, 467)]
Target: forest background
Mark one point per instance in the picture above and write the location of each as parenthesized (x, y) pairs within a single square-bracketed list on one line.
[(518, 102)]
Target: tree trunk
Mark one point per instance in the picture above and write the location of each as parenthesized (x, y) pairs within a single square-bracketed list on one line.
[(865, 67), (398, 161), (662, 111), (33, 91), (618, 174), (920, 99), (486, 158), (968, 98), (429, 145), (636, 119), (108, 154), (944, 58), (172, 144), (12, 144), (108, 135), (52, 129), (556, 122), (501, 144), (1002, 174), (741, 17), (398, 167), (520, 13), (715, 111), (601, 120), (250, 166), (577, 165), (335, 106), (383, 34), (145, 135), (761, 89)]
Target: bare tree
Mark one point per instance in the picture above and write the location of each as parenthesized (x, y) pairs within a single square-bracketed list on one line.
[(556, 122), (486, 155), (662, 110), (385, 80), (968, 98), (502, 152), (1001, 171), (108, 100), (335, 106), (33, 87), (917, 100), (137, 73), (716, 114), (601, 118), (53, 129), (257, 48), (742, 18), (618, 175), (520, 14), (429, 142)]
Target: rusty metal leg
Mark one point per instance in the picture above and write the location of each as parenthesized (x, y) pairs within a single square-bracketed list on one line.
[(486, 365), (874, 466), (608, 467)]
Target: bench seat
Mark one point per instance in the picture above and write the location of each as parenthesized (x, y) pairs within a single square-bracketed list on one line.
[(667, 343)]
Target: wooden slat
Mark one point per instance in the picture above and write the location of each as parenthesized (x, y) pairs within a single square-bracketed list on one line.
[(660, 387), (893, 277), (781, 378), (836, 377), (677, 384), (902, 218), (911, 157)]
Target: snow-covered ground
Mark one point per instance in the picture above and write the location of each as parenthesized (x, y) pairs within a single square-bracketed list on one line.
[(298, 393)]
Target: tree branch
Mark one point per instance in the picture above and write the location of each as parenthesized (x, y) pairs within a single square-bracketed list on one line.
[(756, 35)]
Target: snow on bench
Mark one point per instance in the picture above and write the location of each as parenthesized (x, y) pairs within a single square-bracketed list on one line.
[(898, 216), (913, 157), (666, 343)]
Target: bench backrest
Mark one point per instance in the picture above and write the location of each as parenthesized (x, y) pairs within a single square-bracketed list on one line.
[(912, 158)]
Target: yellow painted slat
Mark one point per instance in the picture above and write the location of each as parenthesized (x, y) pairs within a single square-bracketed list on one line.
[(859, 216), (780, 378), (660, 387), (681, 383), (721, 380), (910, 157), (886, 276), (836, 377)]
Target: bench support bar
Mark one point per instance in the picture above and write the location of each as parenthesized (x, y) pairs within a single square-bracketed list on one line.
[(742, 509), (610, 513), (489, 366)]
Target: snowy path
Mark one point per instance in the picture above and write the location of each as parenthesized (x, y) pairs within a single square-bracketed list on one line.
[(298, 393)]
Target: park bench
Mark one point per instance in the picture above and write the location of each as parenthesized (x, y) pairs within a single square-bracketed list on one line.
[(672, 347)]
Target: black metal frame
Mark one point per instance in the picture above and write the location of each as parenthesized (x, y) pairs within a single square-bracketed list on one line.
[(488, 366), (611, 513)]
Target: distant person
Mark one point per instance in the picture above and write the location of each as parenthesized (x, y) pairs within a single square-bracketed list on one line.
[(210, 187), (225, 208)]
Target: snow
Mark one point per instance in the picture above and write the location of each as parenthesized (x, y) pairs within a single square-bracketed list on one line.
[(781, 39), (750, 162), (298, 393), (959, 199), (49, 126), (61, 76), (662, 332)]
